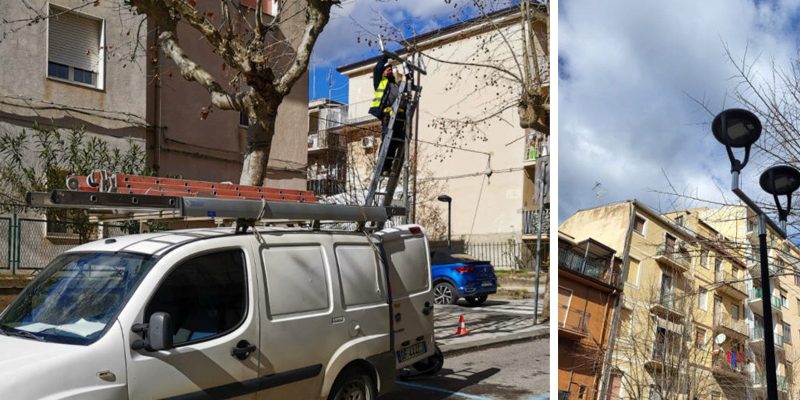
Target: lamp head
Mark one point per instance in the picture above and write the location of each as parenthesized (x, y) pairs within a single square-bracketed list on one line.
[(741, 128), (780, 180), (445, 198)]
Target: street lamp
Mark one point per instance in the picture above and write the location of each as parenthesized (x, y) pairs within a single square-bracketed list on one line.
[(737, 128), (447, 199)]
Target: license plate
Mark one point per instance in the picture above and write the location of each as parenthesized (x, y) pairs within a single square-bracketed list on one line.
[(413, 351), (487, 283)]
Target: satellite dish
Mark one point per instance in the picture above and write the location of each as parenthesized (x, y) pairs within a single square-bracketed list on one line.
[(720, 339)]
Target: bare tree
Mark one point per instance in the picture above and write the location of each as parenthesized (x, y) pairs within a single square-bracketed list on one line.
[(509, 66), (657, 354), (265, 56)]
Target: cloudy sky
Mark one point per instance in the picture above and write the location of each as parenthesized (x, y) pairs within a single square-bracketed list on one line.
[(628, 73), (339, 43)]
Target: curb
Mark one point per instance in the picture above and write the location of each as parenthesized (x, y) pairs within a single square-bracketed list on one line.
[(480, 344)]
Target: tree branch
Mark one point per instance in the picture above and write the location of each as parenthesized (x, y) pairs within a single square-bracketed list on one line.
[(317, 16)]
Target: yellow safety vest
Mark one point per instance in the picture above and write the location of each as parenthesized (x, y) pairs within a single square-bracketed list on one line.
[(378, 96)]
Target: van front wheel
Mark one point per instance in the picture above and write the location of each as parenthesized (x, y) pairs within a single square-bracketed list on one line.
[(353, 384)]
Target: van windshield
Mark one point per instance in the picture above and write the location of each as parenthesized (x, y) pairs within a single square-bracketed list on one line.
[(75, 298)]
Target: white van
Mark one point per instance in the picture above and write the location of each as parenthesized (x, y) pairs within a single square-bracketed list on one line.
[(211, 314)]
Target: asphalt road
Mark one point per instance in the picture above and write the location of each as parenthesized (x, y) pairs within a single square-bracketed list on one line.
[(514, 372)]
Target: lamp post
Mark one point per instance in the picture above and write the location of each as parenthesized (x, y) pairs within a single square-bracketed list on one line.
[(447, 199), (738, 128)]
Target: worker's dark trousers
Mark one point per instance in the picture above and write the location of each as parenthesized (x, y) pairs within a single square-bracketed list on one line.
[(395, 148)]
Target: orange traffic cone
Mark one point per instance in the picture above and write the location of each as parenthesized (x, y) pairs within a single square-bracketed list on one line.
[(462, 327)]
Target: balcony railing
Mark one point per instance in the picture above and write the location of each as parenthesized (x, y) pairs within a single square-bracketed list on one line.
[(681, 259), (726, 279), (758, 334), (573, 320), (760, 381), (325, 186), (593, 268), (536, 145), (670, 301), (322, 140), (530, 221), (725, 321), (734, 364), (757, 294)]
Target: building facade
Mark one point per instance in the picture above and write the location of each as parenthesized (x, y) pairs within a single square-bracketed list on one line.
[(690, 323), (588, 289)]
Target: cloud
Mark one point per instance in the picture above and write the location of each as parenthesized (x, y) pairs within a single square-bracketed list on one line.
[(626, 115)]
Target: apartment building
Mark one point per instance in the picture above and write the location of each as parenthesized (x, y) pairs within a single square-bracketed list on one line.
[(588, 289), (691, 319), (492, 180), (95, 66)]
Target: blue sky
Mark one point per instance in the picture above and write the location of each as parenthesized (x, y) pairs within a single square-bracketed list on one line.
[(630, 73), (346, 37)]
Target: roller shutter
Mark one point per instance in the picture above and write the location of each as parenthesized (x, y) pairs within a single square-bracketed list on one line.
[(74, 40)]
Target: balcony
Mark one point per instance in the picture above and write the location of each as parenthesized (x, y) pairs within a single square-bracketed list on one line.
[(733, 369), (755, 272), (668, 305), (590, 267), (325, 186), (530, 222), (757, 342), (730, 327), (730, 285), (671, 258), (536, 146), (326, 140), (662, 359), (572, 323), (760, 384), (757, 303)]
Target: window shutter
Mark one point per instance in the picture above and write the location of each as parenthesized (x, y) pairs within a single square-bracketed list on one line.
[(74, 40)]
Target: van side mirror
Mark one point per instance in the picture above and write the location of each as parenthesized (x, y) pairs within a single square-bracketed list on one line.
[(157, 333)]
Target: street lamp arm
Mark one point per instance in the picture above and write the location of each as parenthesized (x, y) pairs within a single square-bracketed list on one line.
[(753, 206)]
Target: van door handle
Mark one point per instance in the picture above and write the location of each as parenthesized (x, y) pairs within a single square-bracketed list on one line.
[(427, 308), (243, 350)]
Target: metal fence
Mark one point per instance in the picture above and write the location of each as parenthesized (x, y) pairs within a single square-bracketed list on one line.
[(506, 255), (28, 244)]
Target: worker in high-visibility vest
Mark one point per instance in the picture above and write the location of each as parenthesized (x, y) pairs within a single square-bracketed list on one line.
[(386, 92)]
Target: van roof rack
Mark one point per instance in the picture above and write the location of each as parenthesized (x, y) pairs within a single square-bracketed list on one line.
[(116, 195)]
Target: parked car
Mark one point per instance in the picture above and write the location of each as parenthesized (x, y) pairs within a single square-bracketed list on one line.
[(458, 275), (215, 313)]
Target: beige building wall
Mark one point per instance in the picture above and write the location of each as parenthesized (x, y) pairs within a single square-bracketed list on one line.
[(485, 178), (715, 299)]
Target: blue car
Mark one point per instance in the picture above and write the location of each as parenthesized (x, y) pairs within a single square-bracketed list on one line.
[(459, 275)]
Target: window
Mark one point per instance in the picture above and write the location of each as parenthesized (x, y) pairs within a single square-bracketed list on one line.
[(787, 333), (702, 299), (75, 47), (704, 258), (206, 297), (797, 301), (679, 220), (717, 263), (784, 300), (638, 225), (243, 119), (735, 312), (797, 279), (360, 275), (700, 338)]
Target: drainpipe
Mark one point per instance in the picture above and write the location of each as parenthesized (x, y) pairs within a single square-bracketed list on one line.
[(618, 304)]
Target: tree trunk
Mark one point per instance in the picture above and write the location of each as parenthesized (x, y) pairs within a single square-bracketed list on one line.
[(259, 144)]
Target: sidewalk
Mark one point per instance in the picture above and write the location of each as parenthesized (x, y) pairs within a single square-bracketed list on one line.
[(495, 322)]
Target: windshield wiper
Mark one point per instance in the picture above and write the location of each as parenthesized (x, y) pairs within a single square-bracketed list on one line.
[(20, 333)]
